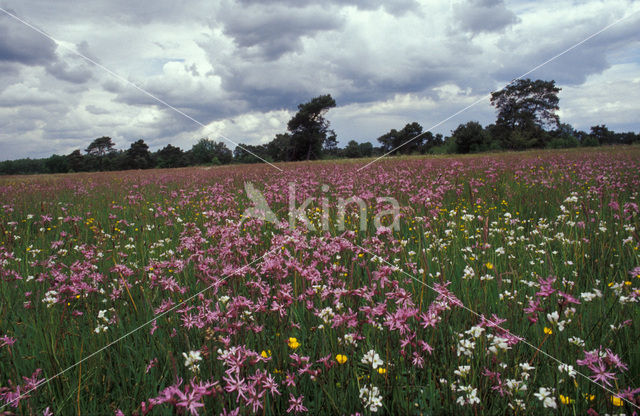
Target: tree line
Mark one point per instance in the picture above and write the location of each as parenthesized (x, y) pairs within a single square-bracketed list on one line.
[(526, 118)]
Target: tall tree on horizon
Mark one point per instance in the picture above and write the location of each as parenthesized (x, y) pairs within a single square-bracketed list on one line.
[(526, 109), (309, 128), (100, 146)]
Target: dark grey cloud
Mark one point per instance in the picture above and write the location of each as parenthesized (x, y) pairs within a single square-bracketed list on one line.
[(574, 66), (478, 16), (113, 12), (93, 109), (269, 31), (19, 44), (394, 7), (65, 72)]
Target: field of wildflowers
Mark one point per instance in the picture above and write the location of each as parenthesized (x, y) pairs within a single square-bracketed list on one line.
[(508, 284)]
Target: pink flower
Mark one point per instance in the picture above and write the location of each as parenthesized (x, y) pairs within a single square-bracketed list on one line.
[(295, 404), (601, 374), (190, 401)]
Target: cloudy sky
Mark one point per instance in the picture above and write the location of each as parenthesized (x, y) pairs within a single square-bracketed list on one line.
[(240, 67)]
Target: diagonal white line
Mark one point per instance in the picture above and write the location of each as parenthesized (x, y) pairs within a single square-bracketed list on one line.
[(489, 95), (160, 315), (522, 339), (121, 78)]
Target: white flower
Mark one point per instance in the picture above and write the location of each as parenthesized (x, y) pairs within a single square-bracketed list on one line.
[(475, 331), (546, 397), (371, 398), (102, 314), (465, 347), (553, 317), (471, 395), (100, 328), (526, 367), (566, 368), (587, 296), (462, 370), (191, 359), (50, 298), (372, 358), (350, 339), (468, 273), (498, 343)]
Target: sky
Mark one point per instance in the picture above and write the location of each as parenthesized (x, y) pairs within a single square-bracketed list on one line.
[(239, 68)]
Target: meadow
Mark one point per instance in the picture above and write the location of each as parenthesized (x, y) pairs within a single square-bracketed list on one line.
[(509, 286)]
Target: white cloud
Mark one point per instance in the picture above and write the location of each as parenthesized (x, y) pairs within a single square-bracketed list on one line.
[(609, 98)]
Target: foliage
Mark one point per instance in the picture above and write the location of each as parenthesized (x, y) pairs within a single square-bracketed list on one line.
[(352, 150), (470, 138), (170, 157), (406, 141), (138, 156), (527, 105), (309, 129), (206, 150), (100, 146)]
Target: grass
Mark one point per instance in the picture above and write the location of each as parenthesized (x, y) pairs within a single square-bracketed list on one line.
[(87, 258)]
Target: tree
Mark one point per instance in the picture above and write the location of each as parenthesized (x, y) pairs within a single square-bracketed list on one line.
[(170, 157), (366, 149), (563, 137), (389, 140), (57, 164), (430, 141), (246, 152), (470, 138), (403, 141), (525, 110), (100, 146), (331, 145), (138, 156), (208, 151), (76, 161), (352, 150), (309, 128), (222, 153), (603, 134), (280, 148)]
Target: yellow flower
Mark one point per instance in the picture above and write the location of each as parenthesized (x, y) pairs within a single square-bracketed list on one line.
[(566, 400), (489, 265), (628, 283), (548, 331), (590, 397), (293, 343), (382, 370), (617, 401), (341, 358), (265, 354)]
